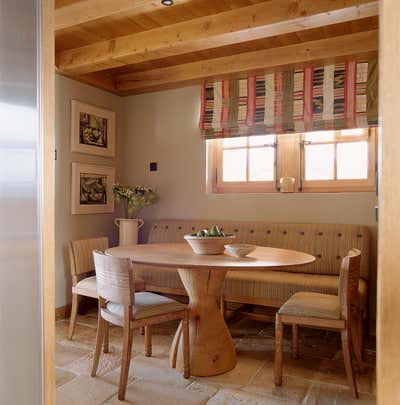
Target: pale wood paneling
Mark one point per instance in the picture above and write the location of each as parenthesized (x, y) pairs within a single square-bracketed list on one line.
[(388, 328)]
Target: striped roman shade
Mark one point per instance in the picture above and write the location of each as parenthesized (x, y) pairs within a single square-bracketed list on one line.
[(313, 98)]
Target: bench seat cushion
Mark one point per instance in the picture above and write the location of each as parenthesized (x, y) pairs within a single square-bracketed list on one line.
[(269, 287)]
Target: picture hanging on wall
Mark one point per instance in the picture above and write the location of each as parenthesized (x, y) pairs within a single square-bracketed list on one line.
[(91, 188), (92, 130)]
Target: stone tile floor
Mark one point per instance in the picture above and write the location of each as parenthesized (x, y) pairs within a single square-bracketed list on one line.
[(318, 377)]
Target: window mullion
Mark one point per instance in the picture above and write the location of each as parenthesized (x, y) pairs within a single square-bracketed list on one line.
[(335, 161), (247, 160)]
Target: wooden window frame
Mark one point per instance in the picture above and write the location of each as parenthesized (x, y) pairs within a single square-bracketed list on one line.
[(294, 166), (221, 187), (341, 185)]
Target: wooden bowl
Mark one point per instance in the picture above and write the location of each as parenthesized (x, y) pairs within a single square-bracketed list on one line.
[(208, 245), (240, 249)]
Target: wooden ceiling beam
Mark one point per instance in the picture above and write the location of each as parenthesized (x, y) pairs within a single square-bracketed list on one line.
[(101, 80), (90, 10), (360, 44), (266, 19)]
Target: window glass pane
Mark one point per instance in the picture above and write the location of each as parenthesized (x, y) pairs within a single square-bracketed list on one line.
[(353, 132), (319, 162), (261, 164), (320, 136), (261, 140), (352, 160), (234, 164), (235, 142)]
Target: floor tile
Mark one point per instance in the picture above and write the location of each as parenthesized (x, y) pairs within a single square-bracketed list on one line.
[(207, 389), (147, 392), (63, 376), (107, 362), (85, 390), (238, 397), (68, 354), (317, 377), (247, 366), (333, 372), (293, 389), (156, 370), (83, 335)]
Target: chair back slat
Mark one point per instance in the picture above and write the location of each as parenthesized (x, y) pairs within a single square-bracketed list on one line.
[(114, 278), (81, 254), (348, 282)]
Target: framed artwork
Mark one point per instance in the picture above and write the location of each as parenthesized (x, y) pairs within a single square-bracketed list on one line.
[(92, 130), (91, 188)]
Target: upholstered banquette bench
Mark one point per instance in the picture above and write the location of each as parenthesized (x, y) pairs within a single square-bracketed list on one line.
[(329, 243)]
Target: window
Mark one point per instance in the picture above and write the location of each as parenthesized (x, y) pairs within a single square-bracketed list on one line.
[(325, 161), (245, 164)]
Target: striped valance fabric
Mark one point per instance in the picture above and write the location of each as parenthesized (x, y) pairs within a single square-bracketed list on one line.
[(313, 98)]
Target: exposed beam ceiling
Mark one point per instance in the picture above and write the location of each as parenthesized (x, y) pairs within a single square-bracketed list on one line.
[(89, 10), (262, 20), (359, 44)]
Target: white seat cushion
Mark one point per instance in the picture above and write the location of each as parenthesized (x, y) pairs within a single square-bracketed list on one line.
[(311, 304), (87, 285), (146, 305)]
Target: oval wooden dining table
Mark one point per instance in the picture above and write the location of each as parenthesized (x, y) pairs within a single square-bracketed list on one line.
[(212, 350)]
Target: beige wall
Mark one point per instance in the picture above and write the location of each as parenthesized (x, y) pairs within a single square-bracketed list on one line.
[(163, 127), (70, 226)]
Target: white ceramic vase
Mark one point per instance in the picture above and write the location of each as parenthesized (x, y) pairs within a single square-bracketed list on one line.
[(128, 230)]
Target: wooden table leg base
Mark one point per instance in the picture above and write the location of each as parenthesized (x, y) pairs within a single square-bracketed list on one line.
[(212, 351)]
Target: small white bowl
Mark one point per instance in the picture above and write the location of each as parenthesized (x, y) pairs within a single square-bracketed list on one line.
[(240, 249)]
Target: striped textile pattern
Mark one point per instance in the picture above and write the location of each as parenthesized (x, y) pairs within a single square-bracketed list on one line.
[(329, 97)]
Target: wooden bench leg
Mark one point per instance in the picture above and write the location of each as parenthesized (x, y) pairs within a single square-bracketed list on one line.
[(295, 341), (147, 335)]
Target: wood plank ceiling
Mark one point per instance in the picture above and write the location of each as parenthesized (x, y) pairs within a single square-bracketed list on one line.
[(136, 46)]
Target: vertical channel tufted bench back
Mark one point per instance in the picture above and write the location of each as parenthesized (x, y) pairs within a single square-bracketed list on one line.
[(329, 243)]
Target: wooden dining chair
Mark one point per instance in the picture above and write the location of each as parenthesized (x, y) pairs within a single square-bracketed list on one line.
[(120, 305), (323, 311), (82, 272)]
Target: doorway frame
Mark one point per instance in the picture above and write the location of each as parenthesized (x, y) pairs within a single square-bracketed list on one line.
[(47, 198), (388, 325)]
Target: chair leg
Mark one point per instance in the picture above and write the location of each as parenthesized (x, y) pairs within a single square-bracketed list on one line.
[(186, 347), (106, 348), (223, 307), (74, 312), (295, 341), (278, 350), (147, 336), (101, 328), (346, 347), (126, 359), (357, 338)]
